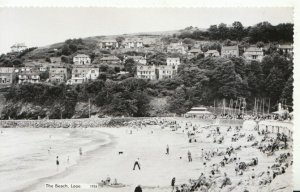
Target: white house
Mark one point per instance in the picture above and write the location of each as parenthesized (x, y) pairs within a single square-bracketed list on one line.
[(176, 48), (81, 59), (146, 72), (173, 62), (109, 44), (84, 74), (134, 43), (230, 51), (166, 71), (254, 53), (18, 47)]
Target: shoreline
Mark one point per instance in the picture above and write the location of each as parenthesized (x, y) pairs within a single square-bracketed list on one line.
[(68, 170)]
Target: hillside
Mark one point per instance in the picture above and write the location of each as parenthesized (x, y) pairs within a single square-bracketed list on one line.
[(199, 80)]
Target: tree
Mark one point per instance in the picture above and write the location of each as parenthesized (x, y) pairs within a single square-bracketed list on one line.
[(129, 66), (66, 50)]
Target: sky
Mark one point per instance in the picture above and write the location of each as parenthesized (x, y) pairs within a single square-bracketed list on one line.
[(44, 26)]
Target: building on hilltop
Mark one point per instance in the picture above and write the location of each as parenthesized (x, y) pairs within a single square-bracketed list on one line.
[(173, 61), (110, 60), (18, 47), (146, 72), (82, 74), (133, 43), (254, 54), (58, 75), (230, 51), (28, 75), (82, 59), (6, 75), (109, 44), (138, 59), (212, 53), (176, 48)]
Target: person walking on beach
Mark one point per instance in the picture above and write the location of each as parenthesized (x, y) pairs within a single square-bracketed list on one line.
[(173, 184), (190, 156), (136, 163), (57, 162), (167, 149)]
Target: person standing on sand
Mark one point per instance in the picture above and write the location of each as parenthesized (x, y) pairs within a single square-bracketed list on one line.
[(57, 162), (173, 184), (189, 156), (167, 149), (138, 189), (136, 163), (80, 151)]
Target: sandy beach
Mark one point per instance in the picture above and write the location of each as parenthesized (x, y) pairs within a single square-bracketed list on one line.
[(101, 158)]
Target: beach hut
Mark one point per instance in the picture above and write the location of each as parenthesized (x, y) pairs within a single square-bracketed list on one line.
[(197, 112)]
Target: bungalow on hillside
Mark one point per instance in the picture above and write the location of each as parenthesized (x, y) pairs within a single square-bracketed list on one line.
[(82, 59), (230, 51), (83, 74), (254, 54), (58, 75), (110, 60), (6, 75), (18, 47), (146, 72), (212, 53), (138, 59), (109, 44)]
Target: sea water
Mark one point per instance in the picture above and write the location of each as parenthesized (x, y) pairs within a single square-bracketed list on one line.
[(29, 154)]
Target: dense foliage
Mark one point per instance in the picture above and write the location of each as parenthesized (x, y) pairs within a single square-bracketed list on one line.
[(264, 32)]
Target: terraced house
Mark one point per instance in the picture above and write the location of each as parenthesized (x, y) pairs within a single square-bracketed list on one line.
[(28, 75), (146, 72)]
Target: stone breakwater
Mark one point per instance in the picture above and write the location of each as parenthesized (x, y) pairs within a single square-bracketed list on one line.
[(66, 123)]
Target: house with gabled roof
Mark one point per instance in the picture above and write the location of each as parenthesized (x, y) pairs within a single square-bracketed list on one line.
[(109, 44), (82, 59), (253, 54), (230, 51), (212, 53)]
